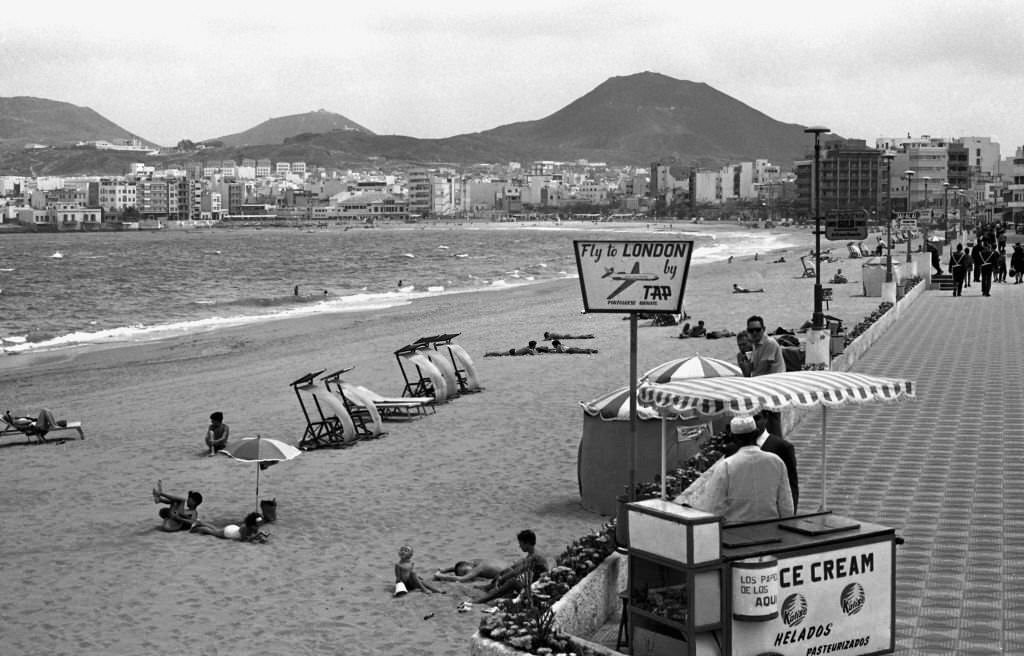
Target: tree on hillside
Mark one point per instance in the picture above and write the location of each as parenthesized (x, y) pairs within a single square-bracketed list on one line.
[(186, 145)]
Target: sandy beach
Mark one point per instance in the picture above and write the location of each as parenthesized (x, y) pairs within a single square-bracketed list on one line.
[(87, 571)]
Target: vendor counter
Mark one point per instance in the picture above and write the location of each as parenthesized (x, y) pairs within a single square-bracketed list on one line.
[(807, 585)]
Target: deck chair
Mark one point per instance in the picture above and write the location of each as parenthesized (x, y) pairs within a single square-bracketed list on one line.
[(854, 250), (809, 271), (422, 377), (366, 417), (462, 371), (328, 424), (36, 429), (393, 407)]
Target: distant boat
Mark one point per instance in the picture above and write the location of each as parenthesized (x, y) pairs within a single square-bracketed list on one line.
[(57, 255)]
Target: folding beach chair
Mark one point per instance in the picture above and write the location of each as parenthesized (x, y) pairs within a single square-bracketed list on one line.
[(367, 403), (462, 371), (37, 429), (365, 418), (422, 377), (328, 423), (809, 271)]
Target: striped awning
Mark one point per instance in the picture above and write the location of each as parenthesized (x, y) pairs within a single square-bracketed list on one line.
[(711, 397)]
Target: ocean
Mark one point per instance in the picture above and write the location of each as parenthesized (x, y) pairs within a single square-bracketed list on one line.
[(75, 290)]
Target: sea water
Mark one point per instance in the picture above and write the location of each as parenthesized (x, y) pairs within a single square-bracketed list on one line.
[(63, 290)]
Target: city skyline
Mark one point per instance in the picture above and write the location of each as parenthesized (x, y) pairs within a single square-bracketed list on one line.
[(868, 70)]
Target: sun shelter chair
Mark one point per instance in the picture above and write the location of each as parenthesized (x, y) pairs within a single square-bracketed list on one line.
[(462, 370), (365, 416), (422, 377), (36, 429), (328, 424), (392, 407), (809, 271)]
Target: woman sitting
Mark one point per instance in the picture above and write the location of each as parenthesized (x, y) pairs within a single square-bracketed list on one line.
[(248, 532)]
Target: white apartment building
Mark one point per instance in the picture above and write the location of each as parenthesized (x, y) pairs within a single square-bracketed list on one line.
[(592, 192), (117, 194), (982, 154), (283, 168), (298, 168), (1014, 180), (738, 181), (11, 185), (263, 168), (706, 187)]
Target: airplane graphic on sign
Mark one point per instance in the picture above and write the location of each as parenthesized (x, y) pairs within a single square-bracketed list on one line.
[(628, 278)]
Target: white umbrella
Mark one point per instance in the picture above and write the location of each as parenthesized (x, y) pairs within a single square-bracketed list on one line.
[(262, 450), (717, 397)]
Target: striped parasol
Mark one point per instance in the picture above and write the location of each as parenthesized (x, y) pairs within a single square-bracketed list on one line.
[(614, 406), (694, 366), (712, 397)]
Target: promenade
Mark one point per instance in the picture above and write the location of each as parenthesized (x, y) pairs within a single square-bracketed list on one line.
[(945, 470)]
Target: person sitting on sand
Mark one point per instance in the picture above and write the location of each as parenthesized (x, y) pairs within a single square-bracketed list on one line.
[(217, 434), (468, 570), (556, 347), (508, 581), (249, 531), (839, 278), (685, 332), (551, 336), (406, 578), (736, 289), (699, 330), (781, 260), (181, 512)]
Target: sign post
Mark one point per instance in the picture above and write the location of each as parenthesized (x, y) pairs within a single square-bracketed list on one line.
[(626, 276)]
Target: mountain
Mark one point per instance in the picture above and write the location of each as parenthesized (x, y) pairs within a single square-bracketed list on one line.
[(276, 130), (25, 120)]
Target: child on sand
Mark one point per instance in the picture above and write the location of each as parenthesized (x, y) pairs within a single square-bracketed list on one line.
[(216, 434), (406, 578), (181, 512)]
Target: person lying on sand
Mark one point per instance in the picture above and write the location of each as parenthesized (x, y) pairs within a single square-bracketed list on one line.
[(406, 578), (181, 513), (249, 531), (781, 260), (508, 581), (551, 336), (736, 289), (557, 347), (529, 349), (468, 570)]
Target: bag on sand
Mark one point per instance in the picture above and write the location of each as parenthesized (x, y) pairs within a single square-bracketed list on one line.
[(268, 508)]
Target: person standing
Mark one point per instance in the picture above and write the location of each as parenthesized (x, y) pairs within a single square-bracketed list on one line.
[(784, 450), (968, 265), (987, 264), (976, 257), (765, 358), (958, 267), (1017, 263)]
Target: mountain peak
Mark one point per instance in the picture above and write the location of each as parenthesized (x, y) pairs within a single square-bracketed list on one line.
[(278, 130)]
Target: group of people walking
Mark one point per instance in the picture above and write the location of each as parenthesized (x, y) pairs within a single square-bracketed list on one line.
[(984, 261)]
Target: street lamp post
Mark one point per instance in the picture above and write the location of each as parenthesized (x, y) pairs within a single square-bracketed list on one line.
[(888, 156), (910, 179), (945, 213), (818, 318)]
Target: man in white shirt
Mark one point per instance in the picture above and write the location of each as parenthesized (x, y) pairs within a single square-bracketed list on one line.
[(748, 486)]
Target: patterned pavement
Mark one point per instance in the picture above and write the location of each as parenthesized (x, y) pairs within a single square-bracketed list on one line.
[(945, 470)]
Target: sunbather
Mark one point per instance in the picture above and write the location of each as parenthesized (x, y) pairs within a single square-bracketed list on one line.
[(529, 349), (38, 426), (551, 336), (557, 347), (216, 434), (736, 289), (181, 513), (249, 531), (468, 570), (508, 581)]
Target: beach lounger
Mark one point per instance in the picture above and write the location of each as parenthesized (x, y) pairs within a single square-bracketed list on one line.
[(461, 370), (328, 423), (398, 407), (809, 271), (40, 429), (422, 377), (365, 417)]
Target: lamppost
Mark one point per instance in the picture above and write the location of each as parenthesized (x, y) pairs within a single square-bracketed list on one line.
[(818, 318), (888, 156), (945, 213), (910, 179)]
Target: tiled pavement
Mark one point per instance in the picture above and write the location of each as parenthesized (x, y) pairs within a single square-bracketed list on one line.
[(946, 470)]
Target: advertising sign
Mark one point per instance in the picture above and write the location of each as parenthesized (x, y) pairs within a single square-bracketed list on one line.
[(836, 602), (633, 276), (846, 224)]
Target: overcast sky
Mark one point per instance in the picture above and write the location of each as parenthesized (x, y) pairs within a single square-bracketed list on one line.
[(864, 69)]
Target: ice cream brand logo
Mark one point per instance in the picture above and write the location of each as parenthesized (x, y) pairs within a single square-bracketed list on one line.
[(852, 598), (794, 609)]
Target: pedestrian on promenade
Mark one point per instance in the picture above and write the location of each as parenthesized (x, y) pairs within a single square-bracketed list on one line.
[(958, 267), (976, 257), (968, 265), (765, 358), (988, 261), (1017, 263)]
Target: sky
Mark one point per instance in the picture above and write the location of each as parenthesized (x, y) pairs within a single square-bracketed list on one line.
[(864, 69)]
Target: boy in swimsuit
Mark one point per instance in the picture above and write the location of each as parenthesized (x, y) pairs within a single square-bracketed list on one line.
[(181, 513), (406, 574)]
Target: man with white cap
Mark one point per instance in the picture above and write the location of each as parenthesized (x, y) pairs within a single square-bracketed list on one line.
[(748, 486)]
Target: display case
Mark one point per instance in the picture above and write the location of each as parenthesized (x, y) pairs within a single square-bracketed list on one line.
[(676, 581)]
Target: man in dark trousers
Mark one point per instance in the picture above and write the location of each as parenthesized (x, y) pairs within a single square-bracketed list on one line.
[(783, 449), (987, 266), (976, 260), (958, 267)]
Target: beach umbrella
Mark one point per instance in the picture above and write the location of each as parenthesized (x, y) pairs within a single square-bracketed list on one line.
[(614, 406), (694, 366), (728, 396), (262, 450)]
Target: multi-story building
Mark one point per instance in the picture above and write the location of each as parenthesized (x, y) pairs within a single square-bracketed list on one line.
[(851, 178), (982, 153), (419, 191), (116, 194), (283, 168), (1014, 194), (298, 168), (263, 168)]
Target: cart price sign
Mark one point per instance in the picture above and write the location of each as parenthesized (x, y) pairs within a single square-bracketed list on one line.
[(846, 224), (633, 276), (836, 602)]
